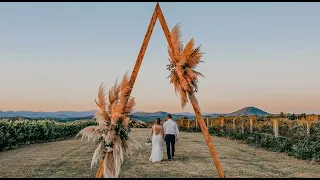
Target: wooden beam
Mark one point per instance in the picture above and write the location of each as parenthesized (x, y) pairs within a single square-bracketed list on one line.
[(136, 68), (207, 136), (100, 169), (194, 103), (143, 48)]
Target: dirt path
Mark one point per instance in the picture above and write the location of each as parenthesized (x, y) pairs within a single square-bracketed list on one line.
[(72, 158)]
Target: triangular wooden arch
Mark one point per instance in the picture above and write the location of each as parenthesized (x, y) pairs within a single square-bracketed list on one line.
[(157, 14)]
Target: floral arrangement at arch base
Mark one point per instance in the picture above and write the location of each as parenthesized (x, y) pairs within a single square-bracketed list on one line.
[(112, 132)]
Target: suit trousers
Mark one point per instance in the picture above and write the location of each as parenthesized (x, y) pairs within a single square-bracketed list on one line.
[(170, 141)]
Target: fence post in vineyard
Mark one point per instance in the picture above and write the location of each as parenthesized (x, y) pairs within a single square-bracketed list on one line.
[(222, 122), (189, 124), (196, 124), (290, 124), (207, 121), (234, 124), (308, 128), (251, 124), (242, 126), (275, 127)]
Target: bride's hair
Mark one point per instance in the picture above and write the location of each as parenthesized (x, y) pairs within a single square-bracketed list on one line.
[(158, 120)]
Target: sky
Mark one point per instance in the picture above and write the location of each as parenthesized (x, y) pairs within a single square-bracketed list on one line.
[(54, 56)]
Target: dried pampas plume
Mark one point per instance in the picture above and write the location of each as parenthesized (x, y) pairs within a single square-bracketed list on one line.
[(183, 61), (112, 132)]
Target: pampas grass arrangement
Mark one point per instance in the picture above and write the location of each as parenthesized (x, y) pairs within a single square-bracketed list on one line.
[(184, 77), (112, 132), (183, 61)]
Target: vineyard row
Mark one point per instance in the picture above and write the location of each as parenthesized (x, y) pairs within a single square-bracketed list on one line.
[(299, 138), (20, 132)]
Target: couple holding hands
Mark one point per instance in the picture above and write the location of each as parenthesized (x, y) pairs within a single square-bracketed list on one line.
[(169, 132)]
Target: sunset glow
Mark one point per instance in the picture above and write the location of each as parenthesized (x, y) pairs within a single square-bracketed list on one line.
[(54, 56)]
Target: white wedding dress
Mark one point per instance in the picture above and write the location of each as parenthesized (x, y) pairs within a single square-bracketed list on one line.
[(156, 152)]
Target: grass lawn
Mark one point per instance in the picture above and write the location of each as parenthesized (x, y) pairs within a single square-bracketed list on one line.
[(72, 158)]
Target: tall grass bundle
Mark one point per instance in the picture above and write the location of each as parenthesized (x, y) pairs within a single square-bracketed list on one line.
[(183, 61), (112, 132)]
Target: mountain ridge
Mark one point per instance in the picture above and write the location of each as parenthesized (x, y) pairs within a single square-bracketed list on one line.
[(41, 114), (248, 111), (144, 116)]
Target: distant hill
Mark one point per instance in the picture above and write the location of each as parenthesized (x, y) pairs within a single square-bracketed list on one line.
[(143, 116), (58, 114), (248, 111), (162, 115)]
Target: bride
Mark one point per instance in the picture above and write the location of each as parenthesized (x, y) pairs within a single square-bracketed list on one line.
[(157, 135)]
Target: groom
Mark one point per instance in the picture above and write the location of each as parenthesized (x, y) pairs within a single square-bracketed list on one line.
[(171, 135)]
